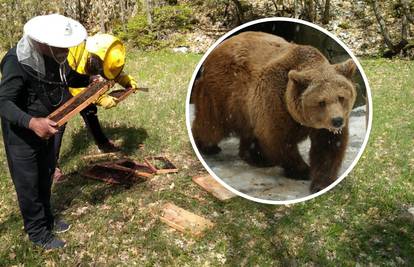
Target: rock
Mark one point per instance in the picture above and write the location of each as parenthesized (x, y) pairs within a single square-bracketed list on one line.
[(411, 211), (181, 49)]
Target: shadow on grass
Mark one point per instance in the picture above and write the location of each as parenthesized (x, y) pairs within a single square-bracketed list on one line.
[(375, 242), (13, 220), (391, 239), (80, 190), (251, 244), (77, 189), (82, 139)]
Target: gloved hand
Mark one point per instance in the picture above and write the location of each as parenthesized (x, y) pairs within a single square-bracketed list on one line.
[(133, 84), (106, 101)]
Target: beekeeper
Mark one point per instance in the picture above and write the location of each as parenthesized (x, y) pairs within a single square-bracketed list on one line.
[(104, 55), (35, 81)]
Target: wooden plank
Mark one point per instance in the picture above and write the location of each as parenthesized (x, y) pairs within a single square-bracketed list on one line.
[(77, 103), (184, 221), (160, 165), (208, 183)]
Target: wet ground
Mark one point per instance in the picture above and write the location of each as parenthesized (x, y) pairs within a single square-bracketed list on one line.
[(269, 183)]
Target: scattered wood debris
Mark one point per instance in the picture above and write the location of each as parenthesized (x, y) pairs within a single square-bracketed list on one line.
[(208, 183), (184, 221)]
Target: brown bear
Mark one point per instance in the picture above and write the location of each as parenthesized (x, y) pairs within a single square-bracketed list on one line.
[(273, 94)]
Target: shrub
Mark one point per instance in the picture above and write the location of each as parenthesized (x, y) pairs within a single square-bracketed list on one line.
[(165, 20)]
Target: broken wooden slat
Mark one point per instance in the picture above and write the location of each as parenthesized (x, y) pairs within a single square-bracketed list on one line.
[(208, 183), (160, 165), (77, 103), (110, 174), (184, 221)]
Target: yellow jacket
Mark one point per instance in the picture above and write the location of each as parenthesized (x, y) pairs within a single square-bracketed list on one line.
[(112, 53)]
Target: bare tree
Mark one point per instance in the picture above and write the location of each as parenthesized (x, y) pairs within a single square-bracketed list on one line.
[(101, 16), (310, 11), (394, 49), (406, 10), (123, 21), (295, 9), (326, 12), (239, 11), (383, 27), (148, 11)]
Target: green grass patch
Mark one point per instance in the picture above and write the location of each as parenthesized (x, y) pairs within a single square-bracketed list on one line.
[(363, 220)]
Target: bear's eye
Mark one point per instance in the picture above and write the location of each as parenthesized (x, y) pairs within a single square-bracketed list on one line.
[(322, 104), (341, 99)]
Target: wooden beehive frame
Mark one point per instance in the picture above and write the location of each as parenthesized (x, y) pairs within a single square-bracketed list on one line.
[(170, 169), (126, 176), (77, 103), (140, 170)]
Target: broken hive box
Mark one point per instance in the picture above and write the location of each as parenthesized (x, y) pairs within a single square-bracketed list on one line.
[(184, 221), (160, 165), (77, 103), (208, 183), (141, 170), (110, 174)]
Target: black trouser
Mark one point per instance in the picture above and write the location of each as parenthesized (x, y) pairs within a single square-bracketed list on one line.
[(31, 167), (89, 115)]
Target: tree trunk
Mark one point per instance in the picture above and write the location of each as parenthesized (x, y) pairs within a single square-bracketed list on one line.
[(383, 27), (295, 9), (122, 2), (101, 16), (79, 11), (148, 10), (310, 10), (239, 11), (407, 11), (404, 28), (326, 15)]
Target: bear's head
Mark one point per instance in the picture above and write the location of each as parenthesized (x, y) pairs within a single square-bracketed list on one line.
[(322, 97)]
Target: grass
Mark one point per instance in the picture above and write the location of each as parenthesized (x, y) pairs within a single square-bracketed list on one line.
[(363, 220)]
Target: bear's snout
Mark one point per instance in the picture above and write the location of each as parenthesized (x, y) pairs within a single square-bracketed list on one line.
[(337, 122)]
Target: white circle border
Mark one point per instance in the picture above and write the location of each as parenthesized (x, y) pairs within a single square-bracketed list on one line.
[(354, 162)]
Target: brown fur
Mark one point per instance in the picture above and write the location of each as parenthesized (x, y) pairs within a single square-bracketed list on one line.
[(273, 94)]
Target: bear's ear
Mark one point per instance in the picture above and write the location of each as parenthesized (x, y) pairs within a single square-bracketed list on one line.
[(346, 68), (299, 77)]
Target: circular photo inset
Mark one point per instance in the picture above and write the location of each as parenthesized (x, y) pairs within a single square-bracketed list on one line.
[(279, 110)]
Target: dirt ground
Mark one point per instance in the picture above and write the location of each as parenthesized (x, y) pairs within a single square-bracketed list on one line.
[(269, 183)]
